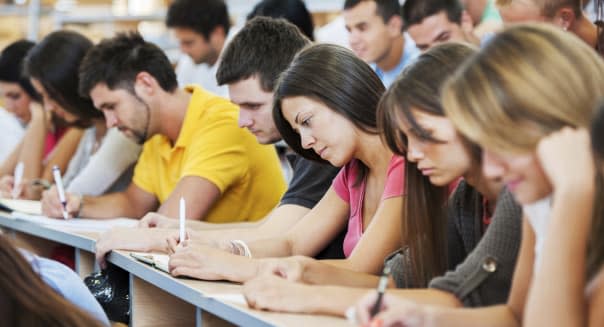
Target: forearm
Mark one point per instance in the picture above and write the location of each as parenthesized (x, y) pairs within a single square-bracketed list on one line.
[(563, 264), (273, 247), (32, 148), (320, 272), (495, 316), (8, 166), (277, 223), (111, 206)]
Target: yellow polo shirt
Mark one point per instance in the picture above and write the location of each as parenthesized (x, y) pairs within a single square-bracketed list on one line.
[(212, 146)]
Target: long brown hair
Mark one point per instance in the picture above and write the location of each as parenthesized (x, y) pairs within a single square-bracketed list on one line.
[(529, 81), (418, 88), (25, 300)]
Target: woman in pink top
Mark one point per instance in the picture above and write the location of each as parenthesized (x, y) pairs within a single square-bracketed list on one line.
[(44, 130), (325, 109)]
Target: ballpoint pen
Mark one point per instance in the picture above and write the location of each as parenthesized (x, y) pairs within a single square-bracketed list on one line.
[(56, 172), (381, 288)]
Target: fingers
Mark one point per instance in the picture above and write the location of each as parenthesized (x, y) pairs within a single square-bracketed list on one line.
[(364, 307), (51, 205)]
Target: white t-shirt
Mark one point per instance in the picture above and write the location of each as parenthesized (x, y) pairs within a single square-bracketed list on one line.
[(12, 133), (187, 72), (538, 214)]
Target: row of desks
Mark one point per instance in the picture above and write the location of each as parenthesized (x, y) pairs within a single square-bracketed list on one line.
[(158, 299)]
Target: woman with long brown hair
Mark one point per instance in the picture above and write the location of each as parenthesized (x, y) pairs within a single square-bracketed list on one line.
[(526, 99)]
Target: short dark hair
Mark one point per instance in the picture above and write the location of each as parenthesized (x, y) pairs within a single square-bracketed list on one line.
[(334, 76), (11, 66), (202, 16), (294, 11), (117, 61), (264, 47), (54, 62), (385, 8), (415, 11)]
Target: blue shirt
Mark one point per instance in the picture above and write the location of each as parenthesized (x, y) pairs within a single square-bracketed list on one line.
[(410, 52), (67, 284)]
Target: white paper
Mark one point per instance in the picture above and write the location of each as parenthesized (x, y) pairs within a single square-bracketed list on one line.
[(79, 224), (25, 206)]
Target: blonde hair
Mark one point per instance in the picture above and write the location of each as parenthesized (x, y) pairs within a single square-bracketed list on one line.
[(529, 81), (549, 7)]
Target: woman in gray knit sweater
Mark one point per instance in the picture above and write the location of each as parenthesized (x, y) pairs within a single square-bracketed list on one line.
[(437, 157)]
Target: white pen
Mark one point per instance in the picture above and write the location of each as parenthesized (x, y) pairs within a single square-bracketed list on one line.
[(18, 178), (182, 219), (56, 172)]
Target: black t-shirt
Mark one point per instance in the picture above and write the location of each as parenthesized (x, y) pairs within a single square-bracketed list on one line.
[(310, 181)]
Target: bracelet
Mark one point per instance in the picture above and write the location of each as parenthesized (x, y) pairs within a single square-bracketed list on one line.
[(240, 248)]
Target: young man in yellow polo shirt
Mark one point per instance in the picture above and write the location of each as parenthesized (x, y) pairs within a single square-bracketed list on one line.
[(193, 147)]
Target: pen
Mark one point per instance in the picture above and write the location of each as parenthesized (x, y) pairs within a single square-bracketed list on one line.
[(17, 181), (56, 172), (381, 288), (182, 218)]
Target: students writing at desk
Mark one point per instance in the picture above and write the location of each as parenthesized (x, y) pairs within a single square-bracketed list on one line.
[(324, 109), (44, 130), (478, 225), (103, 159), (527, 83), (250, 67), (193, 145)]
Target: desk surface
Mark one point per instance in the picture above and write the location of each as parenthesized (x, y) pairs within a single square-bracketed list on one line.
[(195, 292)]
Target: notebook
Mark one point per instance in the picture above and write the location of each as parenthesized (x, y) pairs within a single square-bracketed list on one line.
[(158, 261), (25, 206)]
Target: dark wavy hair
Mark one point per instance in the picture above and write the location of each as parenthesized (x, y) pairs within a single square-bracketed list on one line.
[(11, 66), (55, 62), (334, 76)]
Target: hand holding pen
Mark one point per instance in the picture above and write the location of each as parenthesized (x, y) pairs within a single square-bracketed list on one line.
[(56, 173), (56, 203)]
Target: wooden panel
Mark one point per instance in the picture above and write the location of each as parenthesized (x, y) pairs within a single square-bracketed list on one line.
[(84, 263), (33, 244), (154, 307)]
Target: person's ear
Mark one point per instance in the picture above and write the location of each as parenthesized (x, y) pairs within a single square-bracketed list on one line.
[(217, 34), (145, 84), (395, 26), (565, 18)]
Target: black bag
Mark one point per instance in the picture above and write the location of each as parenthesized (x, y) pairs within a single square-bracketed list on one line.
[(111, 287)]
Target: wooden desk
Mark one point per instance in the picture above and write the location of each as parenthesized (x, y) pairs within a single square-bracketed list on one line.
[(158, 299)]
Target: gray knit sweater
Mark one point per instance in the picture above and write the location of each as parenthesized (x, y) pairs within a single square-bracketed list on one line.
[(480, 266)]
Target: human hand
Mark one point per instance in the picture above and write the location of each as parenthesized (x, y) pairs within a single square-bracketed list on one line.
[(566, 158), (289, 268), (154, 219), (52, 207), (394, 311), (270, 292), (7, 186), (133, 239), (208, 263)]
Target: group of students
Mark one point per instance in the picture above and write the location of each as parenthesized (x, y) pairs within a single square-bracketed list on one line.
[(474, 176)]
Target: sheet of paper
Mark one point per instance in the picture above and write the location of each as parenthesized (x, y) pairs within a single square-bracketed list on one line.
[(24, 206), (77, 224)]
